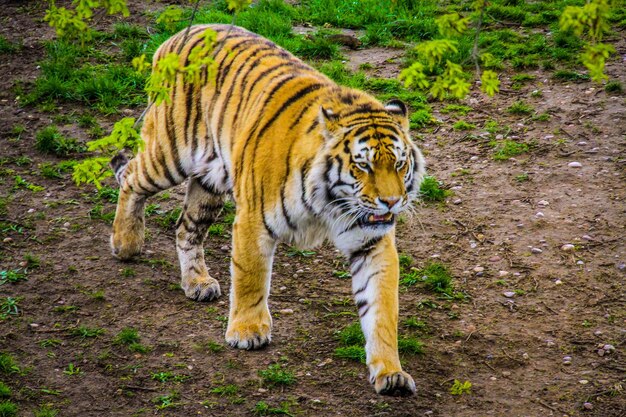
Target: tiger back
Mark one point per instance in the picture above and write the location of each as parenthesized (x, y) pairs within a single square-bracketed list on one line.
[(304, 159)]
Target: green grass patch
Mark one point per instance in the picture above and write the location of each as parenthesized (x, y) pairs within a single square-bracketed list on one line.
[(46, 411), (8, 409), (351, 335), (127, 336), (432, 190), (520, 107), (276, 375), (7, 47), (354, 353), (614, 87), (85, 332), (567, 75), (410, 345), (5, 390), (50, 141), (463, 125), (506, 149)]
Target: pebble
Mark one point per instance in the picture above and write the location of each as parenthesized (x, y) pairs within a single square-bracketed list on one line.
[(575, 164), (494, 258), (583, 382), (7, 240), (525, 356), (509, 294), (457, 201), (548, 137), (499, 137), (542, 203), (262, 390), (283, 288), (597, 332), (581, 143), (587, 237), (539, 214), (225, 248), (608, 348), (33, 325), (506, 373), (31, 210), (549, 343), (536, 250), (588, 406), (580, 263), (568, 247), (567, 360), (286, 311), (474, 158), (558, 282), (503, 273), (601, 352), (66, 224), (478, 269)]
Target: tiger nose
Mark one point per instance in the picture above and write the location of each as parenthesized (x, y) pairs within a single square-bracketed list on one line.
[(389, 201)]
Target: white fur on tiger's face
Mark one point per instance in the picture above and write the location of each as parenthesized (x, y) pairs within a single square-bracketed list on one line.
[(304, 159)]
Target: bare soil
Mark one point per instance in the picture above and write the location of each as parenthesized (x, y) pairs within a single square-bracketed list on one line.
[(566, 303)]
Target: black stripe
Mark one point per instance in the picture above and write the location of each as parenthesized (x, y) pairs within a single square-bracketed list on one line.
[(367, 281), (364, 250), (303, 194), (269, 230)]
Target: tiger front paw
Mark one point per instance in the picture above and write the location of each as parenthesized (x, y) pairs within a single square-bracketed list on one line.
[(126, 245), (395, 384), (247, 335), (201, 289)]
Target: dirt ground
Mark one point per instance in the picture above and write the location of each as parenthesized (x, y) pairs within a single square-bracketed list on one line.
[(532, 352)]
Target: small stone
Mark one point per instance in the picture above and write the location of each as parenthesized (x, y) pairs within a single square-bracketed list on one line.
[(601, 352), (457, 201), (478, 269), (494, 258), (506, 373), (608, 348), (580, 263), (520, 225), (549, 343), (493, 378), (568, 247), (583, 382), (66, 224), (33, 325), (225, 248), (262, 390), (536, 250), (503, 273), (525, 356), (587, 237), (548, 137), (283, 288), (499, 137), (597, 332), (509, 294), (588, 406), (575, 164), (539, 214), (558, 282), (474, 158), (32, 210), (543, 203), (286, 311), (581, 143), (7, 240)]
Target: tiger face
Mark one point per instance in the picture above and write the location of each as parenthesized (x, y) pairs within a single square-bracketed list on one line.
[(373, 168)]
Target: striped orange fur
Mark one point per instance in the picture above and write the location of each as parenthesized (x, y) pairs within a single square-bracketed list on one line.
[(304, 159)]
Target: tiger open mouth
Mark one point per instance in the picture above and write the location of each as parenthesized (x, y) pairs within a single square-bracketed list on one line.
[(377, 219)]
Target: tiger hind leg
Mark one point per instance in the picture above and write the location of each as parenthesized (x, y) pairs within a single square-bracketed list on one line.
[(136, 185), (201, 209)]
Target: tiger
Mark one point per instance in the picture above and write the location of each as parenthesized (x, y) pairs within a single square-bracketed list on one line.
[(304, 160)]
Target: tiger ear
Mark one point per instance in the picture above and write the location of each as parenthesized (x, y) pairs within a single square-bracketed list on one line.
[(399, 111), (328, 120)]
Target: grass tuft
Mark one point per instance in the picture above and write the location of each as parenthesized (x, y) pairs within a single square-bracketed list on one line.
[(275, 375), (432, 190)]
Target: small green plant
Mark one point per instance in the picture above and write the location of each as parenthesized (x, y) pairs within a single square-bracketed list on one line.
[(216, 229), (354, 353), (8, 365), (614, 87), (86, 332), (162, 376), (214, 346), (543, 117), (6, 46), (300, 253), (126, 336), (50, 141), (5, 390), (463, 125), (414, 323), (8, 409), (128, 272), (276, 375), (410, 345), (226, 390), (72, 370), (46, 411), (342, 274), (507, 149), (432, 190), (166, 401), (12, 276), (437, 277), (519, 107), (50, 343), (567, 75), (168, 219), (460, 388), (264, 409), (523, 177), (9, 306), (351, 335)]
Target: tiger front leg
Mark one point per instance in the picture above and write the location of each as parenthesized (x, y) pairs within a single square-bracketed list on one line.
[(249, 321), (375, 274)]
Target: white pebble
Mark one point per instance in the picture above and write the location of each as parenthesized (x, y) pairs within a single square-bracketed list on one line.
[(568, 247), (536, 250), (31, 210), (558, 282), (499, 137), (575, 164), (583, 382), (478, 268), (509, 294), (457, 201), (580, 263), (548, 137), (581, 143), (608, 348), (503, 273), (286, 311), (543, 203), (588, 406), (587, 237), (539, 214)]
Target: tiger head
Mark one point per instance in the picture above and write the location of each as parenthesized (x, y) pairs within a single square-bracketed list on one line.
[(372, 169)]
